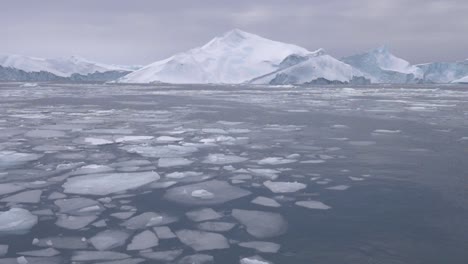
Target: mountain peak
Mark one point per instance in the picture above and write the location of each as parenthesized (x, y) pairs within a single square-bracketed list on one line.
[(382, 49)]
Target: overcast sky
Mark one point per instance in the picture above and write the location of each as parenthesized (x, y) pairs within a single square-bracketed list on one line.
[(143, 31)]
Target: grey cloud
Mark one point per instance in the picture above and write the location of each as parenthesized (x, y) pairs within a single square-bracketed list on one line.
[(142, 31)]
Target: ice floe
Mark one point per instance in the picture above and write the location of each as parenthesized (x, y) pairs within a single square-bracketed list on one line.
[(33, 196), (203, 214), (109, 239), (169, 151), (79, 206), (163, 256), (261, 246), (104, 184), (74, 222), (143, 240), (338, 188), (284, 187), (62, 242), (200, 240), (87, 256), (16, 221), (7, 188), (48, 252), (173, 162), (255, 223), (221, 159), (275, 161), (220, 192), (313, 205), (149, 219), (197, 259), (265, 201), (12, 158), (216, 226), (164, 232)]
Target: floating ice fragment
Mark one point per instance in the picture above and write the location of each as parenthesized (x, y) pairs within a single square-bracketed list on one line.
[(7, 188), (200, 241), (255, 223), (173, 162), (338, 188), (197, 259), (104, 184), (202, 194), (222, 192), (169, 151), (163, 232), (266, 173), (149, 219), (97, 141), (163, 256), (16, 221), (216, 226), (221, 159), (265, 201), (143, 240), (109, 239), (168, 139), (133, 139), (284, 187), (386, 131), (183, 174), (203, 214), (74, 222), (313, 205), (79, 206), (11, 158), (33, 196), (261, 246), (275, 161), (254, 260)]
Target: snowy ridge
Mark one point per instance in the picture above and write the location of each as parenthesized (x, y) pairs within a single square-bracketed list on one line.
[(381, 66), (462, 80), (313, 68), (235, 57), (62, 67)]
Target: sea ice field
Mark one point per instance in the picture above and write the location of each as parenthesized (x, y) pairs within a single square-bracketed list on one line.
[(198, 174)]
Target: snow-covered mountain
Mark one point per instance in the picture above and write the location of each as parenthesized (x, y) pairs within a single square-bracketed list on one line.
[(313, 68), (381, 66), (234, 57), (24, 68)]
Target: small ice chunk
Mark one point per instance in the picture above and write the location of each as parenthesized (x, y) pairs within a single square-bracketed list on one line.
[(133, 139), (284, 187), (169, 151), (197, 259), (7, 188), (97, 255), (338, 188), (183, 174), (254, 260), (56, 195), (33, 196), (203, 214), (200, 241), (173, 162), (168, 139), (109, 239), (79, 206), (149, 219), (104, 184), (222, 193), (265, 173), (255, 223), (202, 194), (386, 131), (275, 161), (355, 178), (261, 246), (313, 205), (48, 252), (221, 159), (97, 141), (265, 201), (143, 240), (74, 222), (16, 221), (163, 256), (164, 232), (216, 226)]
